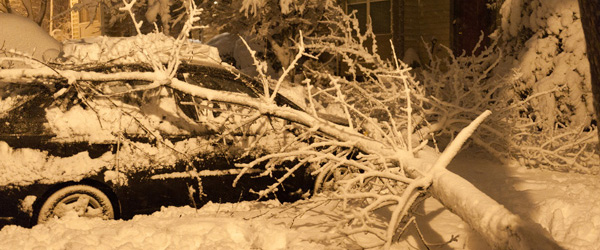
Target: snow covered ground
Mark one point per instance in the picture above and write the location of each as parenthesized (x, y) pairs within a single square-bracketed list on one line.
[(564, 203)]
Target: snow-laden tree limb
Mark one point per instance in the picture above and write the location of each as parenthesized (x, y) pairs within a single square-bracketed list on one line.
[(501, 228)]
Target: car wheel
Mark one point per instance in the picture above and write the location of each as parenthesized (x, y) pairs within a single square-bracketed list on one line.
[(83, 200)]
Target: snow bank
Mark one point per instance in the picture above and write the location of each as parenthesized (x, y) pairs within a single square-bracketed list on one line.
[(572, 218), (171, 228), (23, 35), (565, 204)]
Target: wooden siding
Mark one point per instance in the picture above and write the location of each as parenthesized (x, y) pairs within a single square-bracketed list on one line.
[(87, 30), (83, 29), (411, 25), (425, 20), (75, 32)]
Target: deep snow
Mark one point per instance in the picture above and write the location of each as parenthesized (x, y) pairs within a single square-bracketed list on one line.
[(24, 35), (563, 203)]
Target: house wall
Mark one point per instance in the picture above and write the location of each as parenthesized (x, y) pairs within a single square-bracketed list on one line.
[(430, 22), (412, 28), (83, 28), (471, 19), (415, 22), (75, 31)]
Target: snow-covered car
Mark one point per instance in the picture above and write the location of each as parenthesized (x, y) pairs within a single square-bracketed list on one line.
[(113, 149)]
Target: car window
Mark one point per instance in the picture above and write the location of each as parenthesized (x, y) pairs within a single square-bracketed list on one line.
[(213, 78), (22, 109), (242, 129), (219, 79), (14, 96)]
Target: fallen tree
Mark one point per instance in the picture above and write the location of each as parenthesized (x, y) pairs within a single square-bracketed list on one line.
[(378, 161), (501, 228)]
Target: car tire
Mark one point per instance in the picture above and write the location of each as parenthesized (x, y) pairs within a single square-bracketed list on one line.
[(84, 200)]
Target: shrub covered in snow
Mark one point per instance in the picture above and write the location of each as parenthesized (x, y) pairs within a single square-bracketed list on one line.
[(536, 80), (545, 45), (546, 40)]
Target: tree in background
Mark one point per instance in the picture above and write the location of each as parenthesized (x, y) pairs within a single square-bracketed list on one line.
[(41, 12), (590, 19), (272, 22), (34, 10), (536, 80)]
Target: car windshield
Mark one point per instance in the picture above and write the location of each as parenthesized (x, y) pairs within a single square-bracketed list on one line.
[(14, 96)]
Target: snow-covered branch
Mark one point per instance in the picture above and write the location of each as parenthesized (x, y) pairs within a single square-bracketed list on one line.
[(127, 8)]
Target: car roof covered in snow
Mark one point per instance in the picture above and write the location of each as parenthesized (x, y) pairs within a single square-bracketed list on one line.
[(137, 49)]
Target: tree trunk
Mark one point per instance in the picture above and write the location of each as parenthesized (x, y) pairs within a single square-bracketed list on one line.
[(590, 20), (499, 227), (7, 6), (42, 14)]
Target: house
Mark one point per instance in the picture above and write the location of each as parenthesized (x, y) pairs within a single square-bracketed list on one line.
[(456, 24), (82, 25)]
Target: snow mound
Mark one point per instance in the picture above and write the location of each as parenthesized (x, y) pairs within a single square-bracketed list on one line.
[(171, 228), (573, 218), (23, 35), (140, 48)]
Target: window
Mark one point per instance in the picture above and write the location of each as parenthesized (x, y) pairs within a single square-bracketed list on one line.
[(378, 10), (84, 15)]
